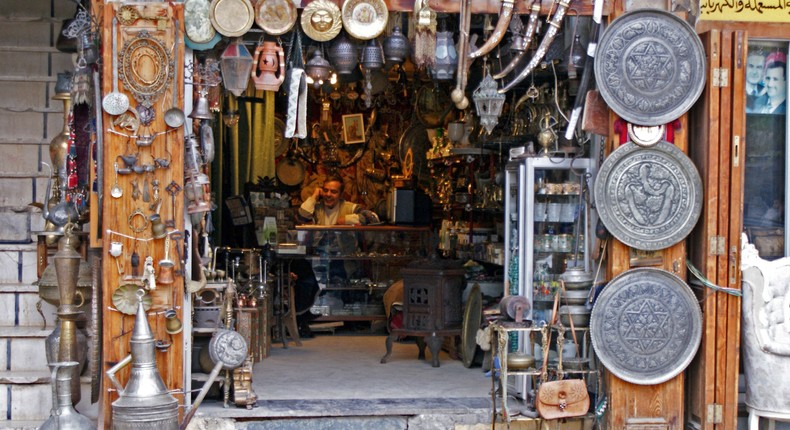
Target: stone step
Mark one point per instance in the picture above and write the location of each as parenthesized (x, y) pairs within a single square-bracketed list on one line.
[(23, 348), (18, 307), (27, 396), (21, 425)]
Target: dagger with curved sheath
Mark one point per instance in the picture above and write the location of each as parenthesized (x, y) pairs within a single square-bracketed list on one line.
[(529, 33), (499, 31), (554, 28)]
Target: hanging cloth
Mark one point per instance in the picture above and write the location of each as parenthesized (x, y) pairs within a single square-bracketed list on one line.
[(260, 157), (296, 82)]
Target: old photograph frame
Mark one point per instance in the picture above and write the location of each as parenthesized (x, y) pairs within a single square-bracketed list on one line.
[(353, 128)]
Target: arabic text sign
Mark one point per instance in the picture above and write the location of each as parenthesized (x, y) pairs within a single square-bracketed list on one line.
[(745, 10)]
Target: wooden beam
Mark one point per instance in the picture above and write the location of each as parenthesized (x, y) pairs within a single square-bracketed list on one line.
[(584, 8)]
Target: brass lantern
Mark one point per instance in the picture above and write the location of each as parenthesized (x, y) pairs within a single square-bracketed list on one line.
[(236, 65)]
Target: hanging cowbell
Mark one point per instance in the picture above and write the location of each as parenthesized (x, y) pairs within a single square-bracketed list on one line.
[(269, 57)]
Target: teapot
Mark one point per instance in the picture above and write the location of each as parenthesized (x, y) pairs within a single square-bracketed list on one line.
[(269, 56), (62, 212)]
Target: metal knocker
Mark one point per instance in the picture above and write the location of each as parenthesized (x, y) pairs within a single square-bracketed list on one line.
[(143, 227)]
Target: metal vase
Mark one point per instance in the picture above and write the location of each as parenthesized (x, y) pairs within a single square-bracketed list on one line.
[(63, 415), (145, 401), (67, 266)]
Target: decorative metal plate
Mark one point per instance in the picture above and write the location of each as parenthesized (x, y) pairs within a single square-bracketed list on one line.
[(231, 18), (228, 347), (281, 143), (196, 21), (648, 198), (365, 19), (646, 326), (321, 20), (473, 314), (146, 68), (124, 298), (275, 17), (650, 67)]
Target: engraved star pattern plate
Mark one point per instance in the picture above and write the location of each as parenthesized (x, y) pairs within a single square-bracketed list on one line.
[(650, 67), (648, 198), (646, 326)]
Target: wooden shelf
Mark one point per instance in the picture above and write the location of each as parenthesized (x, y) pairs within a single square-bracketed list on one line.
[(352, 318)]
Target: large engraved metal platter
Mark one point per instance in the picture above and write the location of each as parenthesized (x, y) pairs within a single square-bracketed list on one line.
[(650, 67), (146, 67), (196, 21), (231, 18), (646, 326), (275, 17), (321, 20), (648, 198), (365, 19)]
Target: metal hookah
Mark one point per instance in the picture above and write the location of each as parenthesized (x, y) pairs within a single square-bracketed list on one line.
[(145, 402)]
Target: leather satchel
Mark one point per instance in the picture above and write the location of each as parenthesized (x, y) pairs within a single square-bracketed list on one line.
[(562, 399)]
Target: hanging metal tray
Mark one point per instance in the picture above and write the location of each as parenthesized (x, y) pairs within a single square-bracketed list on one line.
[(646, 326), (650, 67), (648, 198)]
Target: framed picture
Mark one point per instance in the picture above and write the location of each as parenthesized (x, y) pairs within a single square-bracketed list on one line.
[(353, 128)]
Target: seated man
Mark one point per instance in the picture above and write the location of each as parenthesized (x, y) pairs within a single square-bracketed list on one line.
[(327, 207)]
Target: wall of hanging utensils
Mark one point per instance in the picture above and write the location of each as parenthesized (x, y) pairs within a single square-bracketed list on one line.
[(142, 222)]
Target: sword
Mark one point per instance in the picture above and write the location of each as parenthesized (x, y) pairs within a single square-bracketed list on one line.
[(554, 27), (528, 34), (499, 32)]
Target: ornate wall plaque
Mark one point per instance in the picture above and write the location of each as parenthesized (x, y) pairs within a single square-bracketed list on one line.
[(650, 67), (646, 326), (146, 67), (648, 198)]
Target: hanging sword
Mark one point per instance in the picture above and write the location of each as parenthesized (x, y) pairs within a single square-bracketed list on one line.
[(499, 32), (529, 33), (554, 27)]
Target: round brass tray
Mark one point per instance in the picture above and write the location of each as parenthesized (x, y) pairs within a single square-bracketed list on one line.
[(231, 18), (650, 67), (646, 326), (365, 19), (648, 198), (146, 68), (275, 17)]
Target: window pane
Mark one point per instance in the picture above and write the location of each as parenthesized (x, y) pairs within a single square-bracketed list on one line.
[(765, 186)]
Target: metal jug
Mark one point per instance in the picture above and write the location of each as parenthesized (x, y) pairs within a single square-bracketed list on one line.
[(145, 401), (63, 416)]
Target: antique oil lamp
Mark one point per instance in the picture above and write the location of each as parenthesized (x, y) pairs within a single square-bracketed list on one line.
[(236, 65)]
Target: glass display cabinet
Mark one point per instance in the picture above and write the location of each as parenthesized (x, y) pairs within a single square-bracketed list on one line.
[(548, 226)]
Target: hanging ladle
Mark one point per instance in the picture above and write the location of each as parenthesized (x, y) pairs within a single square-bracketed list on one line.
[(174, 117), (116, 191), (116, 102)]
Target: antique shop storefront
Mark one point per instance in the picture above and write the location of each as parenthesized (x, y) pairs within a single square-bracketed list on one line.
[(561, 183)]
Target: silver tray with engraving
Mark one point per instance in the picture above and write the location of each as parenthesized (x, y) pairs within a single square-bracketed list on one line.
[(650, 67), (648, 198), (646, 326)]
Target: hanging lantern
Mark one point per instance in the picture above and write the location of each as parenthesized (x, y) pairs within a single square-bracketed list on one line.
[(344, 54), (488, 103), (446, 57), (236, 65), (396, 47), (319, 70)]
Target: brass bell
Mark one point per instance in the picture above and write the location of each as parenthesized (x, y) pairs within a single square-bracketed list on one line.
[(201, 109)]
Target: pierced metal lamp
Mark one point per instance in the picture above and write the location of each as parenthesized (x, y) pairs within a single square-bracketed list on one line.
[(488, 102)]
